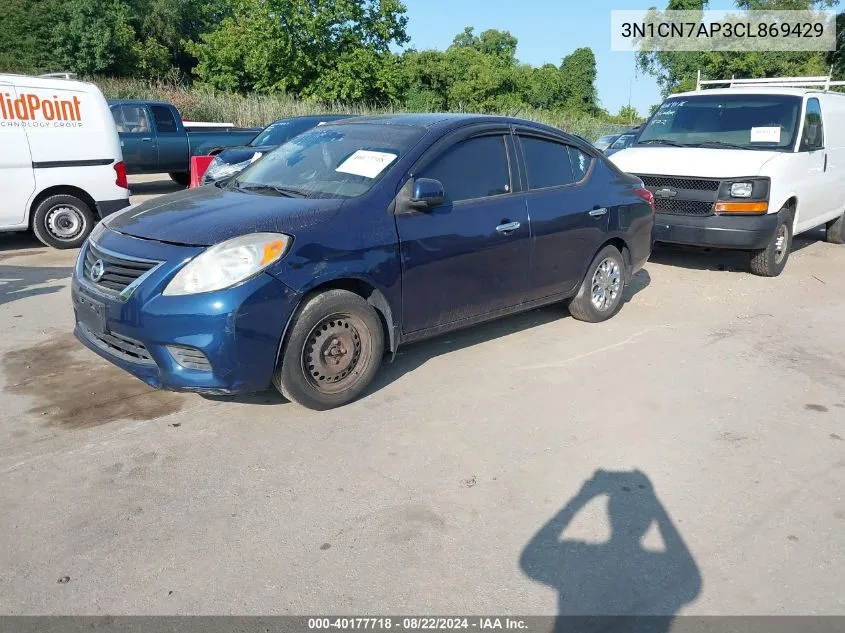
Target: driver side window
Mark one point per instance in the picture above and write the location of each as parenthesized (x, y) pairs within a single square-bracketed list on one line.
[(471, 169), (812, 137)]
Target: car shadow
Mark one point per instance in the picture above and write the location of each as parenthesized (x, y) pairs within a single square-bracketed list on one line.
[(22, 243), (635, 581), (154, 187), (416, 354), (723, 260), (20, 282)]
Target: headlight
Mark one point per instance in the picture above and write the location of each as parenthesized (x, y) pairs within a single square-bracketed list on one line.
[(218, 170), (229, 263), (741, 189)]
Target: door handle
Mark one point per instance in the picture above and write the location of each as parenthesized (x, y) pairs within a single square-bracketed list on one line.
[(146, 139), (825, 162), (508, 227), (597, 213)]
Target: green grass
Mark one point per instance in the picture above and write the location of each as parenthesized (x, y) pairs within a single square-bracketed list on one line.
[(259, 110)]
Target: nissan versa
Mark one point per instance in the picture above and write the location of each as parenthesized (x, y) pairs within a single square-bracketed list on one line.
[(351, 239)]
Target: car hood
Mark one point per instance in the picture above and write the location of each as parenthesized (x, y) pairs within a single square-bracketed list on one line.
[(702, 162), (234, 155), (209, 215)]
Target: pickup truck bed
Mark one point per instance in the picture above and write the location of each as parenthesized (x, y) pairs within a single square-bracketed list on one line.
[(154, 138)]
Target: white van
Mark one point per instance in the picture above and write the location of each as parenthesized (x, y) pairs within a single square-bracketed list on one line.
[(61, 168), (745, 167)]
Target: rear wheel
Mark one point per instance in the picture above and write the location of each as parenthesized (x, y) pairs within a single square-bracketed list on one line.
[(835, 233), (182, 178), (334, 350), (600, 294), (770, 261), (62, 221)]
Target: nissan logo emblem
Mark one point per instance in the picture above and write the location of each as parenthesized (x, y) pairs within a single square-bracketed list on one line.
[(98, 270)]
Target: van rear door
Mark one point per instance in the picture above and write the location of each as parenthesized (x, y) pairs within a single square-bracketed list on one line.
[(16, 179)]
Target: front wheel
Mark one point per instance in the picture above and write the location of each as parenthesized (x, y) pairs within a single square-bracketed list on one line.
[(600, 294), (334, 350), (181, 178), (770, 261), (63, 221)]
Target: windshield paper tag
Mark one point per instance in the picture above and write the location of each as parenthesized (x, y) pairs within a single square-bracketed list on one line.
[(765, 134), (366, 163)]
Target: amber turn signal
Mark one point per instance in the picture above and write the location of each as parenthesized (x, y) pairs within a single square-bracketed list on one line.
[(741, 207)]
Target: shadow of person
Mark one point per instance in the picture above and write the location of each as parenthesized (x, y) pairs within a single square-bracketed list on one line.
[(612, 581)]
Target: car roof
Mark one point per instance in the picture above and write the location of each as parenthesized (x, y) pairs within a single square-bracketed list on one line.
[(138, 102), (446, 121)]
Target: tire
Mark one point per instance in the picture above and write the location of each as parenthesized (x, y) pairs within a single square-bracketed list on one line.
[(770, 261), (181, 178), (63, 221), (600, 294), (835, 233), (316, 369)]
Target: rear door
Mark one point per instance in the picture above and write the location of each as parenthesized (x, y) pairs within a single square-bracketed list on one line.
[(468, 256), (173, 154), (568, 219), (137, 137), (16, 178)]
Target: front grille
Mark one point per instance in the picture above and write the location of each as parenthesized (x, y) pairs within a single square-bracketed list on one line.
[(119, 345), (118, 272), (673, 206), (691, 184)]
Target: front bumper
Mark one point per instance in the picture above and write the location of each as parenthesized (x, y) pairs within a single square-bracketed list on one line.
[(747, 232), (239, 330)]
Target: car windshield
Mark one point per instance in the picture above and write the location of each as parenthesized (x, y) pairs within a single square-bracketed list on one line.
[(603, 141), (330, 161), (279, 132), (732, 121), (626, 140)]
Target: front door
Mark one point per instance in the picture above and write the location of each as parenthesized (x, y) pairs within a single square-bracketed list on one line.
[(468, 256), (137, 138), (16, 178)]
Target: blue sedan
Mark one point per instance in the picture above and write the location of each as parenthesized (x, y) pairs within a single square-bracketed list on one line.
[(350, 240)]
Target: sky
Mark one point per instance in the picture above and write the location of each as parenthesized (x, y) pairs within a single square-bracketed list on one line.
[(547, 31)]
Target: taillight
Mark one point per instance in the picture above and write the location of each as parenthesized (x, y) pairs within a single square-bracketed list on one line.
[(646, 195), (120, 171)]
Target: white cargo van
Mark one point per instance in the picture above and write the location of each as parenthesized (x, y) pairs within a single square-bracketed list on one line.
[(746, 167), (61, 168)]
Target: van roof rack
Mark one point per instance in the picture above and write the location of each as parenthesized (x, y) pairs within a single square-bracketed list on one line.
[(62, 75), (821, 83)]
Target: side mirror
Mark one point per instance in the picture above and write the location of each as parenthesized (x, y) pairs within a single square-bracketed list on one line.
[(428, 192)]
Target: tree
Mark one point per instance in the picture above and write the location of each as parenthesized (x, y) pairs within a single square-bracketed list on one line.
[(94, 36), (289, 45), (24, 28), (628, 114), (836, 58), (677, 71), (578, 71)]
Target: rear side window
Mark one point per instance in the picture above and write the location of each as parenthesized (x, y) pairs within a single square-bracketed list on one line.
[(547, 163), (475, 168), (164, 119), (580, 162), (131, 119)]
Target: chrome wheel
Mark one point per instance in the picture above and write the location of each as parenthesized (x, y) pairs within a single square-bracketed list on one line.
[(65, 222), (606, 284), (781, 243), (336, 352)]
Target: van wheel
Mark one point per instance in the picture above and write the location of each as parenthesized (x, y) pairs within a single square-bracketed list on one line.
[(62, 221), (334, 350), (181, 178), (600, 294), (770, 261), (835, 233)]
